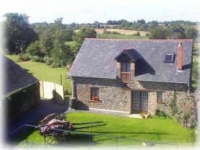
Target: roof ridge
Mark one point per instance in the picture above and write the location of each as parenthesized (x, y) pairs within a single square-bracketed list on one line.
[(98, 39)]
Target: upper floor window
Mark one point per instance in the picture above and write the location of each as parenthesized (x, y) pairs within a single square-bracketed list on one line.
[(125, 72), (125, 67)]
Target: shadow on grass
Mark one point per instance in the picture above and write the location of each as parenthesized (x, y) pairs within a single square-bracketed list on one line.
[(20, 135), (15, 130), (88, 124), (78, 140)]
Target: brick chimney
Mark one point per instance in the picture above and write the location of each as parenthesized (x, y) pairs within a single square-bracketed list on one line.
[(180, 57)]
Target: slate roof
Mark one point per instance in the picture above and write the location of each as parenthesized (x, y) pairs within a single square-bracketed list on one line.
[(131, 53), (15, 77), (96, 59)]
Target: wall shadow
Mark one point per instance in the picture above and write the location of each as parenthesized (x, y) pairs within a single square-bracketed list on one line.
[(79, 105)]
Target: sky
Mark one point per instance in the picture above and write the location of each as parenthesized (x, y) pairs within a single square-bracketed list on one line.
[(89, 11)]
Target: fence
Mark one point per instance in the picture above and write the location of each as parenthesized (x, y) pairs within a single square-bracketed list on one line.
[(47, 90)]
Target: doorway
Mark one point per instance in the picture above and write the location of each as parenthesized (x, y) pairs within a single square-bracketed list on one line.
[(139, 101)]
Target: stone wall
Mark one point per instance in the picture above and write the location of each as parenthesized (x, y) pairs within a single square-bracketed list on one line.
[(115, 95), (168, 90), (20, 102), (143, 85)]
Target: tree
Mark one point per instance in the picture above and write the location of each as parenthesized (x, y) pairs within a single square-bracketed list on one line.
[(19, 33), (159, 33), (60, 54), (35, 49), (191, 33), (141, 21), (85, 33), (177, 31)]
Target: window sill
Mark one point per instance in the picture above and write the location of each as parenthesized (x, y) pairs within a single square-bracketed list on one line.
[(94, 101)]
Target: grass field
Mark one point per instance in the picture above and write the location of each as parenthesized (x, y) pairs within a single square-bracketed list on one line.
[(122, 31), (120, 36), (127, 131), (45, 73)]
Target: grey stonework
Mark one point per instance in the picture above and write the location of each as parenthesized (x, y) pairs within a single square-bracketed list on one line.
[(115, 95)]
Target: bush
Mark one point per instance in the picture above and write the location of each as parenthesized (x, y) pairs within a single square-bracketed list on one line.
[(187, 112), (161, 114), (36, 59), (48, 60), (24, 57), (137, 34)]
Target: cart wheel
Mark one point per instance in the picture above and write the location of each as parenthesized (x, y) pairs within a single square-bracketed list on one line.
[(51, 139)]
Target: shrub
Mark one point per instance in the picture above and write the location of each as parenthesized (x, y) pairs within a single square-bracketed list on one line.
[(48, 60), (137, 34), (36, 59), (187, 112), (24, 57), (161, 114)]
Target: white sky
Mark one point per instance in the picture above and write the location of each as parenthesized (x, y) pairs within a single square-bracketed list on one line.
[(88, 11)]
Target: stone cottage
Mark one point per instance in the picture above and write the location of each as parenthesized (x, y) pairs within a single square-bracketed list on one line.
[(131, 76)]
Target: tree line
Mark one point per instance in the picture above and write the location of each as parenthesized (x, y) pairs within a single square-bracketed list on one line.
[(57, 44)]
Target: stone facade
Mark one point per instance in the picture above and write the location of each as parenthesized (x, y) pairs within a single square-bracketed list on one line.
[(115, 95)]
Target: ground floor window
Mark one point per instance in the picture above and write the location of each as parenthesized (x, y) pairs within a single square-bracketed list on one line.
[(159, 97), (94, 93)]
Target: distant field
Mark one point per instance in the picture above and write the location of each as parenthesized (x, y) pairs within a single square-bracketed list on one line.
[(122, 31), (120, 36)]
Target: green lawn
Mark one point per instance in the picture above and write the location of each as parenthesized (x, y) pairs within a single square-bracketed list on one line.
[(45, 73), (130, 131)]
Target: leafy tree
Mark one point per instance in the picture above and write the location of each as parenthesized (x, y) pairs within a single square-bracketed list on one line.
[(35, 49), (191, 33), (47, 41), (85, 33), (141, 21), (74, 47), (60, 54), (177, 31), (159, 33), (19, 33)]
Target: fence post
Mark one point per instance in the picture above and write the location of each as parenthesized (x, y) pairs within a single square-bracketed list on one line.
[(61, 79)]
